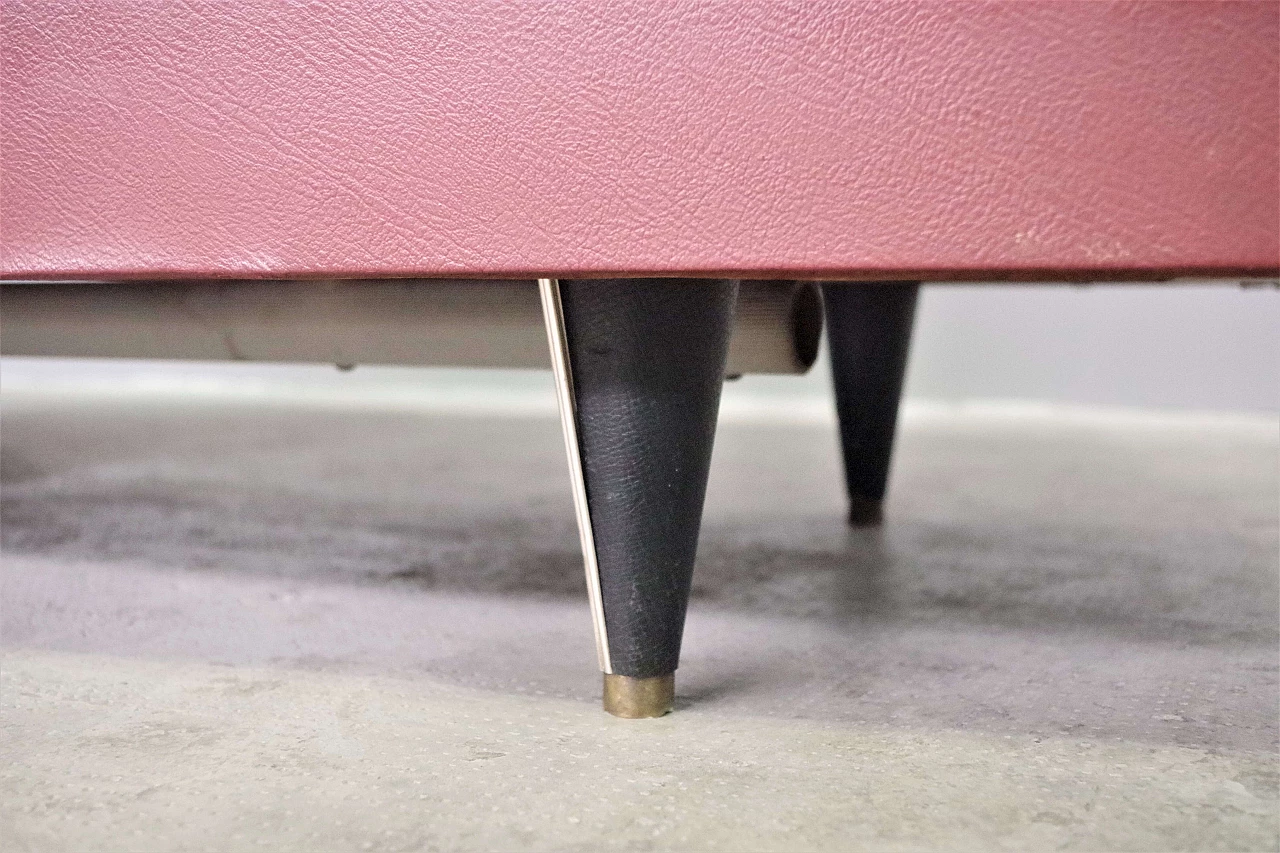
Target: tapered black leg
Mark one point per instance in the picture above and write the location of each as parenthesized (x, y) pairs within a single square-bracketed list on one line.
[(869, 333), (647, 359)]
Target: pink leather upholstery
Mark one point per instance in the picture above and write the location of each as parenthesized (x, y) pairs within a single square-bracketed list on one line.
[(577, 138)]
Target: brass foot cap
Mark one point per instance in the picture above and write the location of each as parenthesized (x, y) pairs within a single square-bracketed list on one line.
[(638, 698)]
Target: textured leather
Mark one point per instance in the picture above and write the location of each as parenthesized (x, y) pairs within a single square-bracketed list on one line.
[(647, 358), (869, 336), (787, 138)]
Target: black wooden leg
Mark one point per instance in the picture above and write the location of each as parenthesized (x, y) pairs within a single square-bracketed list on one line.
[(869, 333), (647, 359)]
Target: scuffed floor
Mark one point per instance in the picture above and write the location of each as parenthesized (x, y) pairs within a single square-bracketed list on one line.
[(288, 624)]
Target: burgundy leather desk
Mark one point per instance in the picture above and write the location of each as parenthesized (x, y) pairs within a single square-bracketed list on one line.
[(667, 148)]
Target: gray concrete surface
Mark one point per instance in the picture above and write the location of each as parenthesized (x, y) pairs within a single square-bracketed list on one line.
[(242, 621)]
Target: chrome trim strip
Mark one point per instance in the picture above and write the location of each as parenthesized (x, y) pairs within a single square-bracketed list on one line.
[(553, 314)]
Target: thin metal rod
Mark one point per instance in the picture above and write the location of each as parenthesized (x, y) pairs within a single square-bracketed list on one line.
[(553, 314)]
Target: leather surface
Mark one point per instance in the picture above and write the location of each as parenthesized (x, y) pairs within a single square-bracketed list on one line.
[(647, 358), (267, 138)]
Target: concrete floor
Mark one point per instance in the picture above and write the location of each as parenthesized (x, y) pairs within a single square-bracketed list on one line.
[(235, 625)]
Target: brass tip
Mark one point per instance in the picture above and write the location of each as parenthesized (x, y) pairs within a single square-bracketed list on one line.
[(638, 698)]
